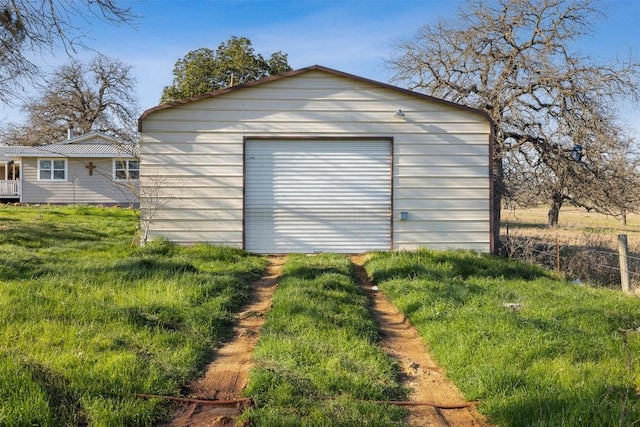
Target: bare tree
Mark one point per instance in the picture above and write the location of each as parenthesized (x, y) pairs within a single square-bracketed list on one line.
[(603, 178), (13, 64), (153, 196), (149, 194), (618, 192), (513, 59), (146, 194), (98, 95), (30, 27)]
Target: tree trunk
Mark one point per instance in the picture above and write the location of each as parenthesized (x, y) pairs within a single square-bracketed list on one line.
[(554, 209), (498, 189), (623, 217)]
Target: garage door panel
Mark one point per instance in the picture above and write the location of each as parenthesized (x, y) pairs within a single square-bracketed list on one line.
[(338, 201), (317, 196)]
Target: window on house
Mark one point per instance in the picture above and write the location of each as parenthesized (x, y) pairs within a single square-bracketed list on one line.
[(126, 169), (52, 170)]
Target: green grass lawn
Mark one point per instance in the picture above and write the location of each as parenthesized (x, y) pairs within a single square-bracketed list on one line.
[(87, 319), (567, 357), (317, 361)]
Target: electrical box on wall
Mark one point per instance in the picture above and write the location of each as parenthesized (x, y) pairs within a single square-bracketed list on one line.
[(404, 216)]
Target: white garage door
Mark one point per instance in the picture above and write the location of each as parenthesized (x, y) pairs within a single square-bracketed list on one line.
[(317, 196)]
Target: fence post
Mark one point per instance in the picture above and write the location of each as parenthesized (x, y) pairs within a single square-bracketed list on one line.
[(623, 251), (557, 254)]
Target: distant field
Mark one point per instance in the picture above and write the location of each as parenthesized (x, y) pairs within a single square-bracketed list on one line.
[(573, 223)]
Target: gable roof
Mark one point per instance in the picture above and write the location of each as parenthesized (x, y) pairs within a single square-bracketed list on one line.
[(93, 144), (303, 71), (93, 137)]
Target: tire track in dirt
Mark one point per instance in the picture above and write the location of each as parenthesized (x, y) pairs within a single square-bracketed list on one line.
[(420, 372), (226, 375)]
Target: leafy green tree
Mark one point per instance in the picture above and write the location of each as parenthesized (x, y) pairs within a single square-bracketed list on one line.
[(234, 62)]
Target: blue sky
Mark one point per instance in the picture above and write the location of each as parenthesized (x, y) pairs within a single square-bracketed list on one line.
[(354, 36)]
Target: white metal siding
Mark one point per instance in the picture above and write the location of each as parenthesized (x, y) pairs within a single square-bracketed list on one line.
[(317, 196), (440, 171)]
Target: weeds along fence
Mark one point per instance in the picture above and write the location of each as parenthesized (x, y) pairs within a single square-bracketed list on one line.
[(591, 258)]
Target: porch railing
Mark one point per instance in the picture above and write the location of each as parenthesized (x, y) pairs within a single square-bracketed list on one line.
[(10, 188)]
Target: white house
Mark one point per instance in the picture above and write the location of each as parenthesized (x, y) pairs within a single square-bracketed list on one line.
[(316, 160), (93, 168)]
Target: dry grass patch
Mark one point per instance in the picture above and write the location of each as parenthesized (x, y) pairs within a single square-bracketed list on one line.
[(586, 242)]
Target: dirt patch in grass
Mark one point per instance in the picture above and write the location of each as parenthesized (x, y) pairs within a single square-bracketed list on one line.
[(432, 391), (226, 375)]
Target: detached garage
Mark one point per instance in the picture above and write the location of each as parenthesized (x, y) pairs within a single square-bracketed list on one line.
[(316, 160)]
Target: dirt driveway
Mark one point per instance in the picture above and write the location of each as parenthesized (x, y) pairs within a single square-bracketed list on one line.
[(434, 402)]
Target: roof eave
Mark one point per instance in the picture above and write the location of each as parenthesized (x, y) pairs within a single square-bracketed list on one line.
[(76, 156)]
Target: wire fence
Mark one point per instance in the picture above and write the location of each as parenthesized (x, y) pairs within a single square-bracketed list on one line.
[(590, 258)]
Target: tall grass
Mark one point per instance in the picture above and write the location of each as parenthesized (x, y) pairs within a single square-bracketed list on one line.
[(86, 319), (535, 350), (317, 362)]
